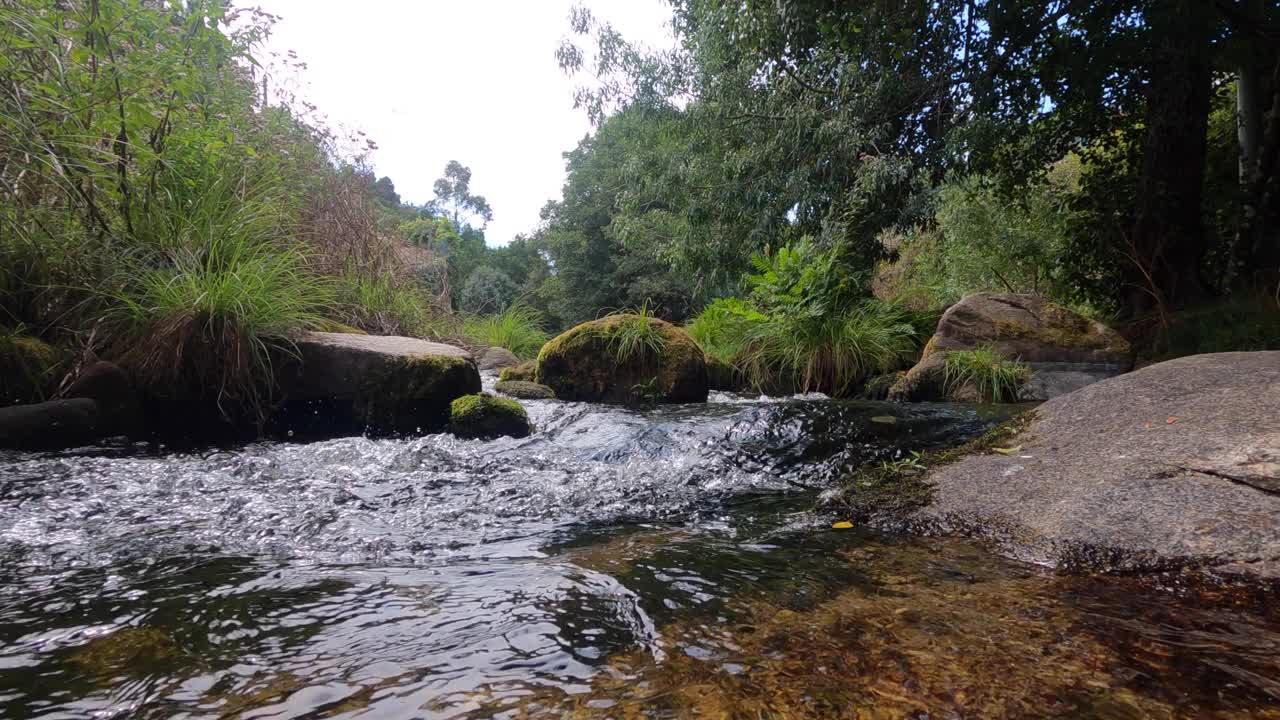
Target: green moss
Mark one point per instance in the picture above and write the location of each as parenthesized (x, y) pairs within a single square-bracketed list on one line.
[(878, 387), (485, 416), (894, 490), (526, 371), (1062, 327), (584, 363), (525, 390)]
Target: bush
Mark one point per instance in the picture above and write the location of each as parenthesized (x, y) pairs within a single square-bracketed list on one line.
[(993, 377), (518, 329), (806, 327), (487, 290)]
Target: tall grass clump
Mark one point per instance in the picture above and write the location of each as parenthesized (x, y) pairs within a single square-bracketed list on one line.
[(28, 367), (518, 329), (211, 298), (384, 304), (806, 326), (993, 377), (635, 335)]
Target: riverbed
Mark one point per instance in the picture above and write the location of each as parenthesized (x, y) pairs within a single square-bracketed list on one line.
[(619, 563)]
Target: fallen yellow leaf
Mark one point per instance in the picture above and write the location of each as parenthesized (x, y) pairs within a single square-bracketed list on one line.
[(1008, 451), (842, 525)]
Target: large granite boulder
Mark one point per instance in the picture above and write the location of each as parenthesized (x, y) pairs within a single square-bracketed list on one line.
[(51, 425), (1064, 350), (587, 363), (1174, 465), (380, 385)]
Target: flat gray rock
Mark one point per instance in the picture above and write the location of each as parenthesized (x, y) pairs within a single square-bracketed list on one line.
[(1175, 465), (343, 383)]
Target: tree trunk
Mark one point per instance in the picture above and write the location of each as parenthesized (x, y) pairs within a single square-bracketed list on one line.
[(1167, 243)]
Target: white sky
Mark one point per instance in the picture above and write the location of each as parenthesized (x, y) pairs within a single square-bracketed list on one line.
[(468, 80)]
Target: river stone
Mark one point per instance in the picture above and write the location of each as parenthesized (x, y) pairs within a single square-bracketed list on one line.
[(1066, 351), (497, 358), (1177, 464), (49, 425), (579, 365), (525, 390), (374, 384), (486, 417)]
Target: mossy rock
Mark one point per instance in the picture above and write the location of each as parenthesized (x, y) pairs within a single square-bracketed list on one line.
[(878, 387), (583, 364), (1064, 350), (486, 417), (525, 390), (29, 369), (525, 371)]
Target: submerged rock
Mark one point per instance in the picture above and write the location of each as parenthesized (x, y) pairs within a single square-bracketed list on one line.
[(586, 364), (525, 390), (1065, 351), (487, 417), (497, 358), (381, 385), (1175, 465), (49, 425)]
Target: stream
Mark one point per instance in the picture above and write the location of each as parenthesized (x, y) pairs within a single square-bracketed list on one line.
[(658, 563)]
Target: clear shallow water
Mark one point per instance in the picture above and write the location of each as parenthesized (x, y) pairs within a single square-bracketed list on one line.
[(663, 563)]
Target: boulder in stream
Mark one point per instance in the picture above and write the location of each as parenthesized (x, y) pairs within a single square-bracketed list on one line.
[(381, 385), (1064, 350), (108, 385), (1174, 465), (589, 363), (487, 417)]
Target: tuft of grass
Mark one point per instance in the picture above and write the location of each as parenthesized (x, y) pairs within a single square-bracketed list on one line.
[(518, 329), (635, 335), (994, 377), (383, 304), (208, 325), (830, 352)]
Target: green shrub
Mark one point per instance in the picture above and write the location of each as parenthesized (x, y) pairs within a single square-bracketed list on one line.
[(518, 329), (993, 377), (723, 326)]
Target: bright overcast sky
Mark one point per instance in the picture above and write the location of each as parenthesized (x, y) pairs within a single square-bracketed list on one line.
[(468, 80)]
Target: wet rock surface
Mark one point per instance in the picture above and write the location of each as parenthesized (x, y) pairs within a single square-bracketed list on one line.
[(381, 385), (1065, 350), (49, 425), (1175, 465), (497, 358)]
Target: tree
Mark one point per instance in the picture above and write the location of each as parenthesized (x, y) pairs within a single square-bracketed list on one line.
[(487, 290), (454, 198), (848, 114), (384, 191)]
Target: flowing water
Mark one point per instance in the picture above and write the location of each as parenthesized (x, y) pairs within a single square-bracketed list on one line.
[(616, 564)]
